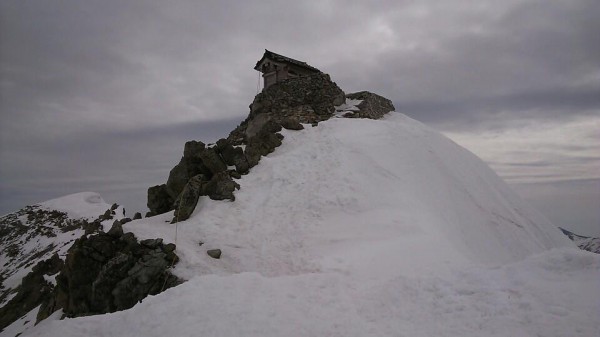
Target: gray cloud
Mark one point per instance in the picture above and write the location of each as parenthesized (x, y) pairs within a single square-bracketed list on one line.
[(102, 95), (570, 204)]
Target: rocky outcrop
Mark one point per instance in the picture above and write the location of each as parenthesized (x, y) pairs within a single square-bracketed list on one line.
[(34, 289), (108, 272), (372, 106), (307, 99), (31, 240), (207, 170)]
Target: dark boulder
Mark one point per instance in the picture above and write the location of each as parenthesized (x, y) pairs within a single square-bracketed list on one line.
[(233, 156), (159, 200), (372, 106), (213, 161), (178, 177), (214, 253), (193, 148), (186, 203), (220, 187), (137, 216), (116, 231)]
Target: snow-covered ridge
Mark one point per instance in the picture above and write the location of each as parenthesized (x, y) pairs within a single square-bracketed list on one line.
[(364, 228), (83, 205), (362, 194)]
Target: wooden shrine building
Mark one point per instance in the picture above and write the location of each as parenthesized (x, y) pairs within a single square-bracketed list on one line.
[(276, 68)]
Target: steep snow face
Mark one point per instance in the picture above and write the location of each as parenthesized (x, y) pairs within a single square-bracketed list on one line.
[(366, 197)]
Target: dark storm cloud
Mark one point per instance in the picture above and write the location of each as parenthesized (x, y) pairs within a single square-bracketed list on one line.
[(102, 95), (536, 58), (553, 103)]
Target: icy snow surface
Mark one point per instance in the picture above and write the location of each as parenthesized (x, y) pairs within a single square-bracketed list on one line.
[(364, 228)]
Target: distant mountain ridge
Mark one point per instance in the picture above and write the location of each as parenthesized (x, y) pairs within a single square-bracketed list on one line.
[(584, 242), (71, 254), (34, 242)]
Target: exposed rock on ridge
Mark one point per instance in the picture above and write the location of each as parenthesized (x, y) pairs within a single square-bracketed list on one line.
[(108, 272), (372, 106), (210, 170)]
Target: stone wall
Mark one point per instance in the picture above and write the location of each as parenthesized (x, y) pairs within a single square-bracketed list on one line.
[(306, 99)]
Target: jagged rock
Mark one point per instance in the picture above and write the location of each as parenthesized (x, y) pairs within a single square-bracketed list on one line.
[(197, 159), (116, 231), (159, 200), (214, 253), (234, 174), (256, 124), (106, 216), (372, 106), (125, 220), (186, 203), (263, 144), (152, 243), (33, 291), (193, 149), (103, 273), (114, 207), (178, 177), (137, 216), (227, 151), (212, 160), (220, 187), (291, 124), (190, 165)]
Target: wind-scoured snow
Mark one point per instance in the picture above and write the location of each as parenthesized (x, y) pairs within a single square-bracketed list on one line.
[(364, 228)]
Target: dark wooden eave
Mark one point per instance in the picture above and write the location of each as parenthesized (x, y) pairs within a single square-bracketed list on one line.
[(280, 58)]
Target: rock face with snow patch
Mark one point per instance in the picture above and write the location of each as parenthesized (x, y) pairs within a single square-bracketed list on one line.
[(33, 242), (371, 106)]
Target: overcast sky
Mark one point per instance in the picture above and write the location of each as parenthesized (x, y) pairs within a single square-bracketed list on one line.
[(102, 95)]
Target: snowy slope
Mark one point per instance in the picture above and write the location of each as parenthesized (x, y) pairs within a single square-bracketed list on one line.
[(364, 228)]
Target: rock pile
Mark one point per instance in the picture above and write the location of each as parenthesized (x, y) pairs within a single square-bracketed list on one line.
[(108, 272), (372, 106)]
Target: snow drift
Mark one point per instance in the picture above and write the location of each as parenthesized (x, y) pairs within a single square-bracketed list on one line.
[(364, 228)]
